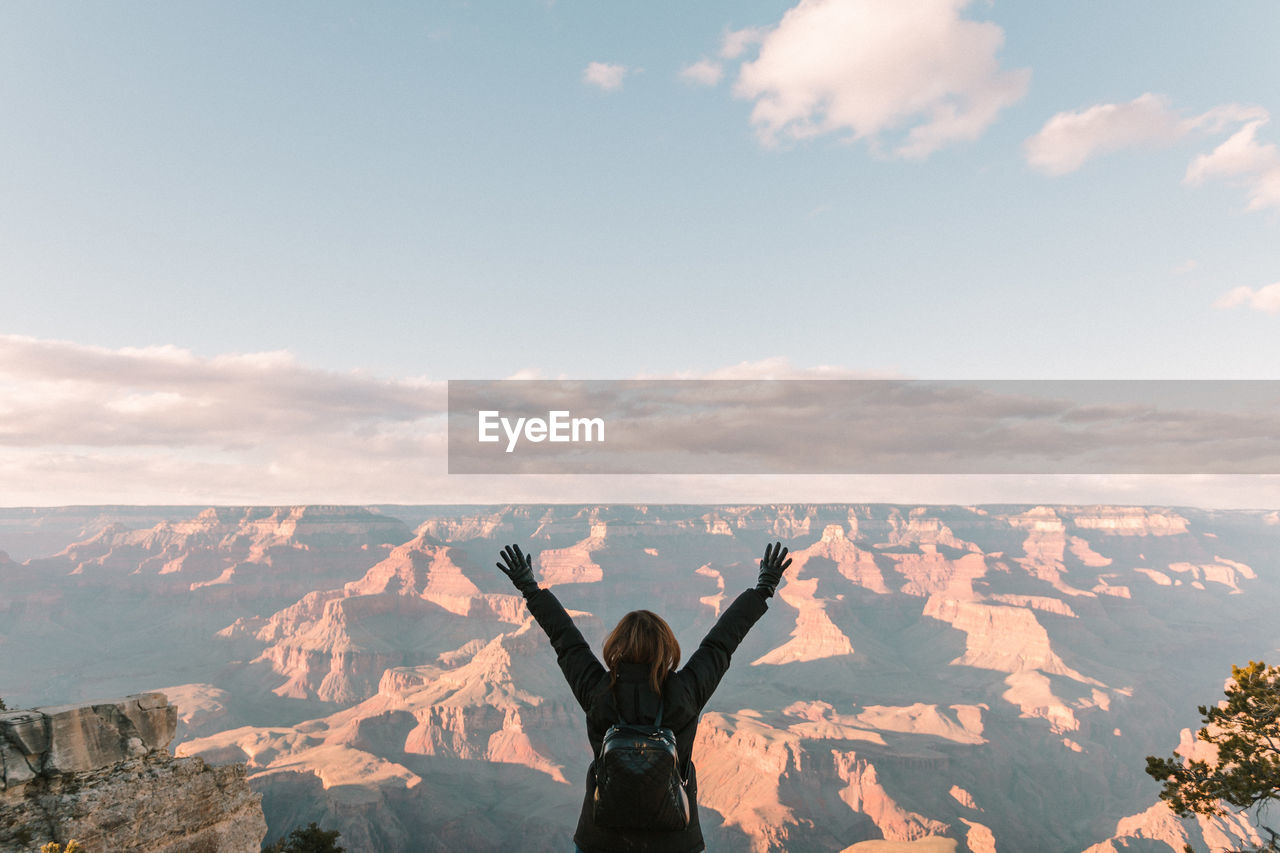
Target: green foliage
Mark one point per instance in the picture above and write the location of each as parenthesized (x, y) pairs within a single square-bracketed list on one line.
[(307, 839), (3, 707), (1245, 729)]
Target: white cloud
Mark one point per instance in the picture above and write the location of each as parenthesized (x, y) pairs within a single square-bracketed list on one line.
[(1265, 299), (704, 72), (736, 42), (1225, 117), (607, 76), (1069, 139), (1242, 157), (876, 67)]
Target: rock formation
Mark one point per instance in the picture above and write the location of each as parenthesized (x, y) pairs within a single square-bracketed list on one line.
[(335, 644), (231, 545), (928, 678), (574, 564), (101, 774)]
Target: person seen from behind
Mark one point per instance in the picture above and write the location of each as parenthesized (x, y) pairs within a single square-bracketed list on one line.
[(642, 712)]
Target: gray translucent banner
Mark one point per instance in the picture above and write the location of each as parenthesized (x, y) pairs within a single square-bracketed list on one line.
[(864, 426)]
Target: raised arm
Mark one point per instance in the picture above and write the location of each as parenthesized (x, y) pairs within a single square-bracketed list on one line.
[(702, 674), (579, 664)]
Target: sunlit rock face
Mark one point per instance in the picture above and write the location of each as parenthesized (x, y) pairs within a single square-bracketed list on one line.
[(100, 773), (334, 645), (934, 678), (574, 564)]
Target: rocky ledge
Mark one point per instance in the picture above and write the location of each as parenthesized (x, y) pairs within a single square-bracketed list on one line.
[(101, 773)]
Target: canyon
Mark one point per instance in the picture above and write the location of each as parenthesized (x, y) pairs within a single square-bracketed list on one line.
[(952, 678)]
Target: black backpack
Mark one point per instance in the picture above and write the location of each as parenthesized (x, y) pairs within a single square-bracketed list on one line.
[(638, 784)]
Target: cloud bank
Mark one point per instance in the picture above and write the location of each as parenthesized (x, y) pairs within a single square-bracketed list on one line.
[(81, 424), (62, 393), (161, 425)]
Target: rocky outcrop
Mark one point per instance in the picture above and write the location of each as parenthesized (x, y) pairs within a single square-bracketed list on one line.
[(815, 635), (1130, 521), (1157, 830), (741, 765), (825, 723), (716, 599), (574, 564), (864, 793), (931, 572), (760, 779), (418, 602), (921, 527), (1046, 603), (854, 563), (1045, 547), (1228, 573), (101, 773), (1003, 638), (979, 837)]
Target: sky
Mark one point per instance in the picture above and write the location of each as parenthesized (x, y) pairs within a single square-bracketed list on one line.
[(243, 245)]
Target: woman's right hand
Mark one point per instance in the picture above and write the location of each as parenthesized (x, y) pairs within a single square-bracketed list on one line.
[(519, 568), (771, 569)]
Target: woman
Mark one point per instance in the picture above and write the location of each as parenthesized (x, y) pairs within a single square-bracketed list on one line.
[(639, 681)]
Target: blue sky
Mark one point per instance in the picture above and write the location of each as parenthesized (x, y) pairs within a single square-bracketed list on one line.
[(415, 192)]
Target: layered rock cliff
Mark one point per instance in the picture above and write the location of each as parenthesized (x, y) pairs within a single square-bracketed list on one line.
[(101, 774), (335, 644)]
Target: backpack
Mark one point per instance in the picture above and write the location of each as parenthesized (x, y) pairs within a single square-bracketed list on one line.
[(638, 784)]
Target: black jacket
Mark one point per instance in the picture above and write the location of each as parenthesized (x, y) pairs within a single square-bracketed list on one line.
[(684, 695)]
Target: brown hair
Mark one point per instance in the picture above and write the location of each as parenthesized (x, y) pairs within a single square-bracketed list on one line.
[(642, 636)]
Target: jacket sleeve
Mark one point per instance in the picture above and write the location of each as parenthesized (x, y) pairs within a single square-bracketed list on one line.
[(579, 664), (708, 664)]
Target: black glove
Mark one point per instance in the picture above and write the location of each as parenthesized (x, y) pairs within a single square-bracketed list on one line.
[(771, 569), (520, 569)]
